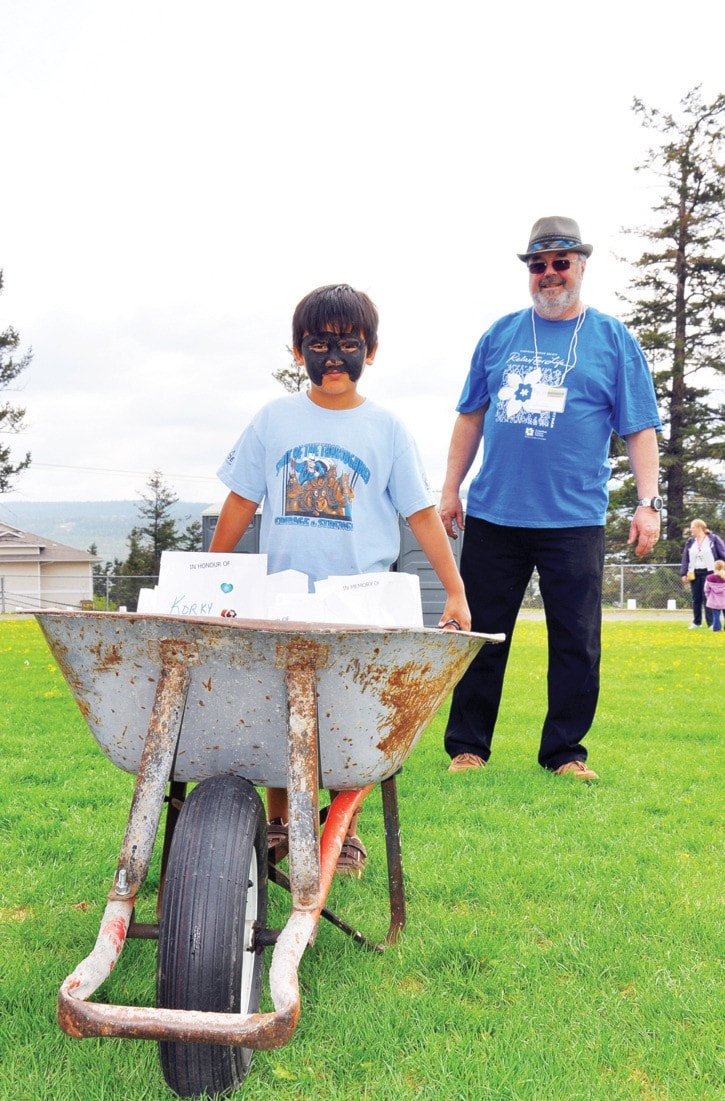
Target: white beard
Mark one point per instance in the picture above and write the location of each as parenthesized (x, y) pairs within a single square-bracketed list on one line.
[(553, 308)]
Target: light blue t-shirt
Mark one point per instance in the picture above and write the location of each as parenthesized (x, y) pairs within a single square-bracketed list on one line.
[(333, 483), (556, 392)]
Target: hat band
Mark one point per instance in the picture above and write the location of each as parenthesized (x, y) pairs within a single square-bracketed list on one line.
[(547, 244)]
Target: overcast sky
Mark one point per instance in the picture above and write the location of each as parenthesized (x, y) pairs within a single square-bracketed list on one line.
[(177, 175)]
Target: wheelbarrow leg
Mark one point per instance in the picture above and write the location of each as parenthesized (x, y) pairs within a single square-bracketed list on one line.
[(395, 873), (151, 779), (174, 803), (153, 774), (396, 889), (300, 663)]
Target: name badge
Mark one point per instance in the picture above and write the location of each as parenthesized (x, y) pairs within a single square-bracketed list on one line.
[(547, 399)]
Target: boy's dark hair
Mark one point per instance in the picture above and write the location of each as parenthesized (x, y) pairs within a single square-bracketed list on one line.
[(337, 307)]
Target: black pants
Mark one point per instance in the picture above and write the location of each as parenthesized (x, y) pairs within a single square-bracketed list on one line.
[(496, 566), (698, 598)]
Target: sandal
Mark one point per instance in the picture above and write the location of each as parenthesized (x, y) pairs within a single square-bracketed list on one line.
[(352, 858), (277, 838)]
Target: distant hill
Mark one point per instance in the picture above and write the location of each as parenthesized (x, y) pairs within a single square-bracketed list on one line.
[(80, 523)]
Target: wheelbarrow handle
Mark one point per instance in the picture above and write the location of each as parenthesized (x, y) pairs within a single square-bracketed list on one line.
[(81, 1018)]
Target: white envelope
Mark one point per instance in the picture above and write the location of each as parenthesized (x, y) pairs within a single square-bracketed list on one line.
[(146, 601), (211, 584), (378, 599), (301, 608), (237, 585), (284, 582)]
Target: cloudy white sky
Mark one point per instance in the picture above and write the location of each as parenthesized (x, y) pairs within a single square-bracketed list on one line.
[(177, 174)]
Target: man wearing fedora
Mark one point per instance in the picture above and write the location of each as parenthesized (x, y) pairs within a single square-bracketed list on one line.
[(546, 388)]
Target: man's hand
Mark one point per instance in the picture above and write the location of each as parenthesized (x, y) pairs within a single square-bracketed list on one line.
[(450, 511), (465, 441), (644, 530)]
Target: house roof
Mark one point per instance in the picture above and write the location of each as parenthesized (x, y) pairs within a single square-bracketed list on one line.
[(23, 545)]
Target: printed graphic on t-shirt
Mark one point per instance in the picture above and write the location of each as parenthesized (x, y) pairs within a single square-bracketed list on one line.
[(319, 484), (532, 393)]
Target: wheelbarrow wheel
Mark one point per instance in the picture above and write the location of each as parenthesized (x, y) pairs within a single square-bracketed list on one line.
[(215, 895)]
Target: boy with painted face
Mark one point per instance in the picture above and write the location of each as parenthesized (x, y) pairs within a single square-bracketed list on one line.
[(329, 353), (334, 470)]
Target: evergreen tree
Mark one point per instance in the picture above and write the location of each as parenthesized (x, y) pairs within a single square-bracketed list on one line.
[(159, 529), (677, 311), (102, 573), (100, 569), (11, 417), (294, 378), (148, 540), (136, 572), (192, 538)]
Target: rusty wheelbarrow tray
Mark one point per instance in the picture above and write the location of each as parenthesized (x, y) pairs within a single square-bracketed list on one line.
[(234, 703)]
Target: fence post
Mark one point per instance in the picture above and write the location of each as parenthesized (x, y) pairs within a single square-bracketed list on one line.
[(107, 581), (621, 586)]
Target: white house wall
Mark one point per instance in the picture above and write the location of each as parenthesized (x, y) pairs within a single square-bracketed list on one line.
[(65, 584), (32, 587), (20, 589)]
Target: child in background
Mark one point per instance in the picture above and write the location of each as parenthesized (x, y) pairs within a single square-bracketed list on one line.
[(335, 470), (715, 593)]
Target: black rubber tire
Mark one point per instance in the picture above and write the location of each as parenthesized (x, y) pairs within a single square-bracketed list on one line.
[(216, 872)]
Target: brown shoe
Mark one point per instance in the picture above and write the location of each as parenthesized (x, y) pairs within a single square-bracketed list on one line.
[(352, 858), (464, 761), (578, 769), (277, 840)]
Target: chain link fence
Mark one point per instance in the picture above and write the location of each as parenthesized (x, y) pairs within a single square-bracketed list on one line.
[(625, 586), (33, 593), (111, 592), (650, 587), (656, 586)]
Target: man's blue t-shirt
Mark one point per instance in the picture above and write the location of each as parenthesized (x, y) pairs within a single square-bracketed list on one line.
[(333, 483), (557, 390)]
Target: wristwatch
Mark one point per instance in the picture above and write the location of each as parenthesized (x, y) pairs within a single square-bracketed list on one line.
[(651, 502)]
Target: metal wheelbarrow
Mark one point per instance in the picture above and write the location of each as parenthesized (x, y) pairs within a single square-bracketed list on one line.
[(231, 705)]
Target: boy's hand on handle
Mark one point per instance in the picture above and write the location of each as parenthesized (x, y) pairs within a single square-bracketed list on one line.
[(456, 615), (428, 529)]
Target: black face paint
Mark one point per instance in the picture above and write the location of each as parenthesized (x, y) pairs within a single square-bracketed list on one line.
[(323, 352)]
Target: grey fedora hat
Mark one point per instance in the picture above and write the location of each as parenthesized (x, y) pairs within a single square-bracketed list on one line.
[(555, 234)]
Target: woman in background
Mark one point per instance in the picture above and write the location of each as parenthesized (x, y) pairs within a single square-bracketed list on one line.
[(698, 560)]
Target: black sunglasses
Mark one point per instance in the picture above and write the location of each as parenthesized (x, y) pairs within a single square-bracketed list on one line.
[(538, 267)]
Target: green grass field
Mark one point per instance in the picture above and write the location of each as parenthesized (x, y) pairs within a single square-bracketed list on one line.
[(564, 941)]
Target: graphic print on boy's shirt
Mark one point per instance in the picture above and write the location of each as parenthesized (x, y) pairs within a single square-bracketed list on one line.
[(319, 483)]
